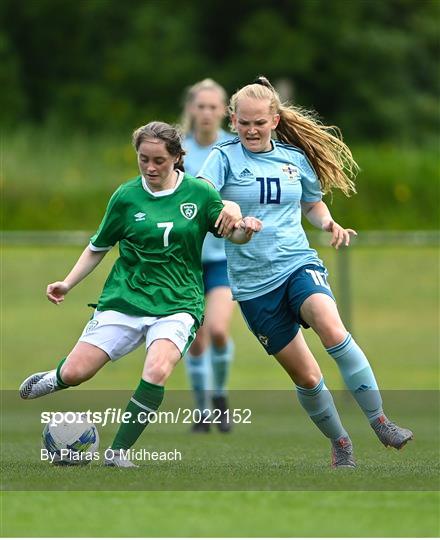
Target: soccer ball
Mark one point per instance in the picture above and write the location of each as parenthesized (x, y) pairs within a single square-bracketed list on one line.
[(71, 443)]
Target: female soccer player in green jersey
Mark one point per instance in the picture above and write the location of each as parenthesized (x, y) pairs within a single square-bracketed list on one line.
[(278, 280), (154, 292)]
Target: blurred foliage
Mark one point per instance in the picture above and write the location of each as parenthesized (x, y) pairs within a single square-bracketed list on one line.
[(64, 182), (76, 77), (369, 66)]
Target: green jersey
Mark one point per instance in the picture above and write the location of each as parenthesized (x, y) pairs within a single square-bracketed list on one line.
[(160, 235)]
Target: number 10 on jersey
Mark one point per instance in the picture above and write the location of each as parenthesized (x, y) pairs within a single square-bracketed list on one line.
[(270, 190)]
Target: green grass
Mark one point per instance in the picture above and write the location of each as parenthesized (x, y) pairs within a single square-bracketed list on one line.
[(223, 514), (268, 479)]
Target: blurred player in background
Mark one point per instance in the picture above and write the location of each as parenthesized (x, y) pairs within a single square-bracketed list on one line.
[(278, 280), (209, 358), (154, 293)]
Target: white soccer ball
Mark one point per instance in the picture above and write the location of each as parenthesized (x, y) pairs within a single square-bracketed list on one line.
[(71, 442)]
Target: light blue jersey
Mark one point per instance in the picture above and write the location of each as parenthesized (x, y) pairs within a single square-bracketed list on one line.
[(213, 248), (270, 186)]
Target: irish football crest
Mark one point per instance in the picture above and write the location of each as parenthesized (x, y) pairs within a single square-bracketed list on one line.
[(189, 210)]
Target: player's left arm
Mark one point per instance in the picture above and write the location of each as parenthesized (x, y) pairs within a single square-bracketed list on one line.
[(218, 209), (245, 229), (229, 218), (214, 171), (318, 214)]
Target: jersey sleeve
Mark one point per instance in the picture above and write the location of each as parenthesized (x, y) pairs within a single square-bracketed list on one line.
[(111, 228), (311, 188), (214, 207), (215, 168)]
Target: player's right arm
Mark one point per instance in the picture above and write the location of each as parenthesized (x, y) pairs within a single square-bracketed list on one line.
[(109, 232), (87, 262)]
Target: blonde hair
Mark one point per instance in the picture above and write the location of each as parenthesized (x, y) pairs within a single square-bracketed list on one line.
[(170, 135), (187, 120), (323, 145)]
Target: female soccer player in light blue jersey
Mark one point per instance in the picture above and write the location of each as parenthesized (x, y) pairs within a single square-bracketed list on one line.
[(209, 358), (278, 280)]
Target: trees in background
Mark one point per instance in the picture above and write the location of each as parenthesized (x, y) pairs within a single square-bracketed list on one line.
[(369, 66)]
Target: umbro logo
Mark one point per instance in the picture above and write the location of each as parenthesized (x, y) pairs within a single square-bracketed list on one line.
[(91, 325), (181, 335), (140, 216), (245, 173)]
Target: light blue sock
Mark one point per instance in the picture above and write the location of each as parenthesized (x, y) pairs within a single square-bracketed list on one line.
[(221, 364), (319, 405), (358, 376), (198, 369)]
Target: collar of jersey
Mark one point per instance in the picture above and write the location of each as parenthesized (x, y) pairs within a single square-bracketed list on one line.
[(164, 192), (259, 153)]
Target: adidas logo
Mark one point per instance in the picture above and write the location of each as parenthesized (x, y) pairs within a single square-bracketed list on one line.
[(140, 216), (362, 388), (245, 173)]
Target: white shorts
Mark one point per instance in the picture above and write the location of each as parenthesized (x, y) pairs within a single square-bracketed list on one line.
[(118, 334)]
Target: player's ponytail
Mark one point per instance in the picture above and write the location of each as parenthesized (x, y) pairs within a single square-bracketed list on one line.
[(263, 81), (323, 145), (170, 135)]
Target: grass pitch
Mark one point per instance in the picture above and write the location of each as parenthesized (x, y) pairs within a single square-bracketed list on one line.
[(267, 479)]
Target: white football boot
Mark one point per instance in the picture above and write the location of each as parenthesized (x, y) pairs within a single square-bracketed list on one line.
[(39, 384), (117, 461)]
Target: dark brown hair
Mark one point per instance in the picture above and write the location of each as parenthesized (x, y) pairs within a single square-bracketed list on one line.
[(170, 135)]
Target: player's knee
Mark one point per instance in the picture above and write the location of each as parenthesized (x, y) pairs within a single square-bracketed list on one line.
[(72, 374), (197, 347), (332, 335), (330, 331), (158, 372), (310, 380), (219, 337)]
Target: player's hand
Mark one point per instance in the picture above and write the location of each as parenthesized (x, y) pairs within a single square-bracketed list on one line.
[(228, 218), (249, 225), (56, 292), (339, 234)]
